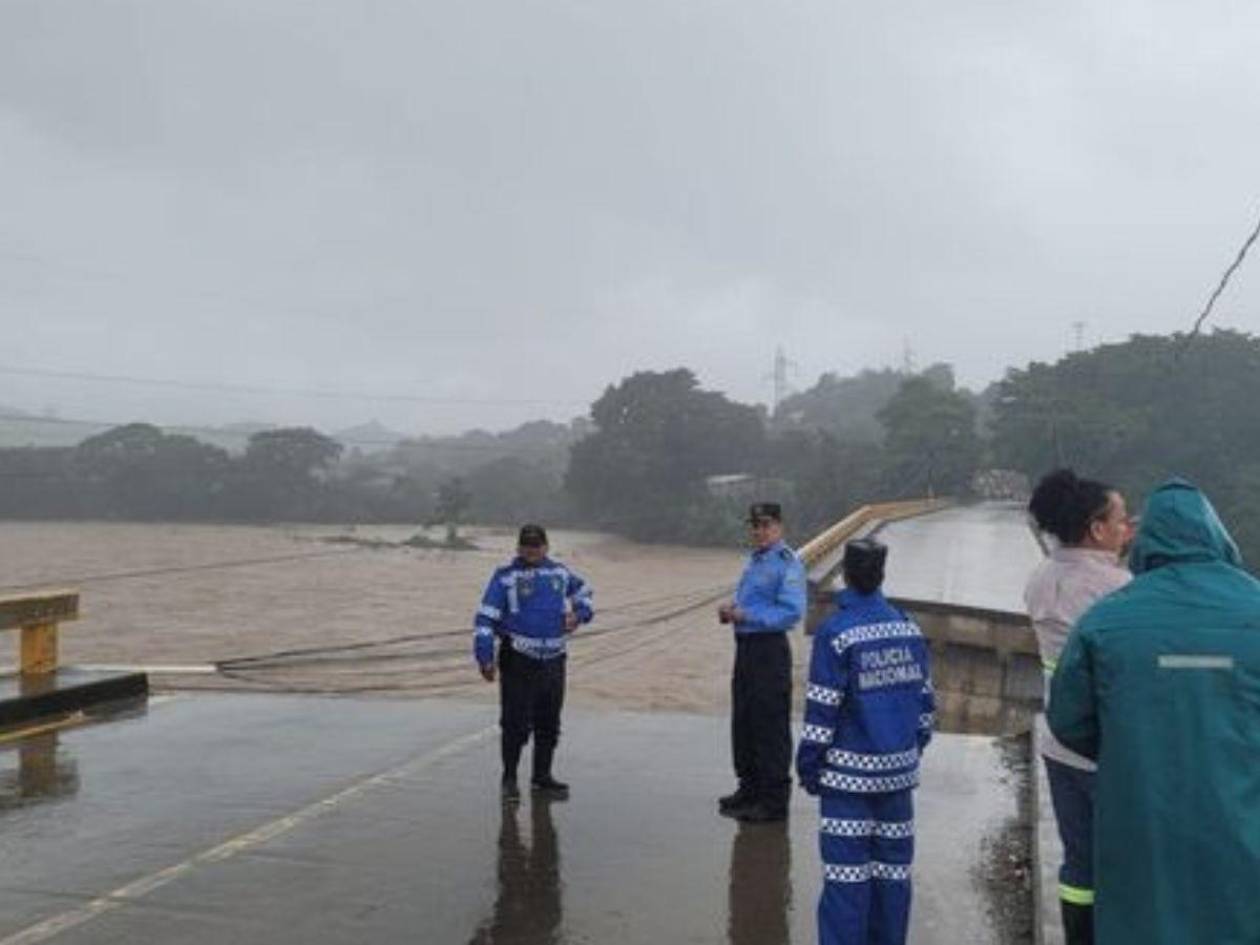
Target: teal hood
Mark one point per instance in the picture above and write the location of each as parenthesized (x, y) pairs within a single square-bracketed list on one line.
[(1179, 525)]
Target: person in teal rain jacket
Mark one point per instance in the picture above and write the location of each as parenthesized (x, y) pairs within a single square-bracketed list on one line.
[(1160, 684)]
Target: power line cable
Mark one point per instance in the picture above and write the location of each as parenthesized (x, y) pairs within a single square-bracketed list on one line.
[(688, 601), (430, 399), (239, 669), (1228, 274)]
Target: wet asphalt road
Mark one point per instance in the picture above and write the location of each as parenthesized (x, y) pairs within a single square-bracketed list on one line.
[(308, 820)]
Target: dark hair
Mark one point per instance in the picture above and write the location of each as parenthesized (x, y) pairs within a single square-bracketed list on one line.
[(1064, 505), (532, 536), (863, 564)]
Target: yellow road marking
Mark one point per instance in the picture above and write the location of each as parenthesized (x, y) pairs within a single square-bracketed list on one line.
[(137, 889)]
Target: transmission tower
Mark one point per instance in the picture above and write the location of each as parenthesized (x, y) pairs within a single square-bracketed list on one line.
[(779, 376), (1078, 333), (907, 358)]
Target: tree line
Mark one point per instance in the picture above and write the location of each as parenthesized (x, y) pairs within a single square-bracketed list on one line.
[(660, 458)]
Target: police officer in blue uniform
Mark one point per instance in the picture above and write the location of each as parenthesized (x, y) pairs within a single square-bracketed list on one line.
[(769, 601), (530, 607), (869, 711)]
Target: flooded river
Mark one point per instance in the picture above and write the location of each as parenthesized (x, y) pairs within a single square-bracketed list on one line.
[(365, 614)]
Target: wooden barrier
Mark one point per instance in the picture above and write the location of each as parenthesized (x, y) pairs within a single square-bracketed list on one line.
[(37, 616)]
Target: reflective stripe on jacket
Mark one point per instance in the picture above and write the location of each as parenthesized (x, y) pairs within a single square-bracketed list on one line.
[(869, 705)]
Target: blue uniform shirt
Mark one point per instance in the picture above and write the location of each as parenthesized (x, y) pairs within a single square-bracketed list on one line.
[(771, 592), (524, 606), (869, 706)]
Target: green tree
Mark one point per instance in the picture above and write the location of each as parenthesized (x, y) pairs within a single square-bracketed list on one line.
[(1136, 412), (299, 455), (137, 471), (453, 500), (932, 447), (657, 436), (848, 407), (830, 477), (283, 475)]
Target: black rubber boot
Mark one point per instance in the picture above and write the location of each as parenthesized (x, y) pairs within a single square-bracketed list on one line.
[(742, 797), (762, 812), (542, 782), (550, 788), (510, 751), (509, 790), (1078, 924)]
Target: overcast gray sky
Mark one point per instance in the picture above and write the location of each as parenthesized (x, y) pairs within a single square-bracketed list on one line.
[(500, 200)]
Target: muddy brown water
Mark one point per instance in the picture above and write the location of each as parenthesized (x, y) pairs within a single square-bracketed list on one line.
[(173, 594)]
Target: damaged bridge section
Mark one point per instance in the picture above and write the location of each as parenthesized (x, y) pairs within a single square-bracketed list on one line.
[(959, 571)]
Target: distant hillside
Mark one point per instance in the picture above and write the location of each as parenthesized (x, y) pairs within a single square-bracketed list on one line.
[(19, 428), (233, 437), (848, 407), (370, 437), (542, 444)]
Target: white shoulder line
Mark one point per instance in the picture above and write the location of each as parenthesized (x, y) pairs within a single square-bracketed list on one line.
[(139, 888)]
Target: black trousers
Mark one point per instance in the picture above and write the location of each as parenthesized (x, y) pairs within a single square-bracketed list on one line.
[(761, 712), (531, 695)]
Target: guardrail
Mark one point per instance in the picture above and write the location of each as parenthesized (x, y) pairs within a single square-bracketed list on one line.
[(829, 540), (37, 616)]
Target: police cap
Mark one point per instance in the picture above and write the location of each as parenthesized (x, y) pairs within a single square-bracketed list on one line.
[(532, 536), (763, 510)]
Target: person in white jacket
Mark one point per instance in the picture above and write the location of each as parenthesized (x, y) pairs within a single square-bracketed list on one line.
[(1091, 527)]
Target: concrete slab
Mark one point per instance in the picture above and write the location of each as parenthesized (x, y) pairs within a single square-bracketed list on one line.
[(285, 819)]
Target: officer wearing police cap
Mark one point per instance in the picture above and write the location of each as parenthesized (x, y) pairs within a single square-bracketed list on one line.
[(869, 711), (769, 602), (530, 606)]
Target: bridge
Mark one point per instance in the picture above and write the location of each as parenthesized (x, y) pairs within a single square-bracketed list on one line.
[(960, 572), (198, 817)]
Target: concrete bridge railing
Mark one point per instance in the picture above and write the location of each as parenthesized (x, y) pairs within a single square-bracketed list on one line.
[(985, 662), (985, 667), (823, 545), (36, 616), (44, 695)]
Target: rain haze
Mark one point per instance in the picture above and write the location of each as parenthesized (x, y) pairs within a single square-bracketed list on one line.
[(497, 209), (549, 261)]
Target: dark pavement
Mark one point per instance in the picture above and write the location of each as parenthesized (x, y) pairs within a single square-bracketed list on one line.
[(311, 820)]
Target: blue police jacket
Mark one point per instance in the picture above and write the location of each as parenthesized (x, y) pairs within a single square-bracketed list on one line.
[(524, 607), (771, 591), (869, 706)]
